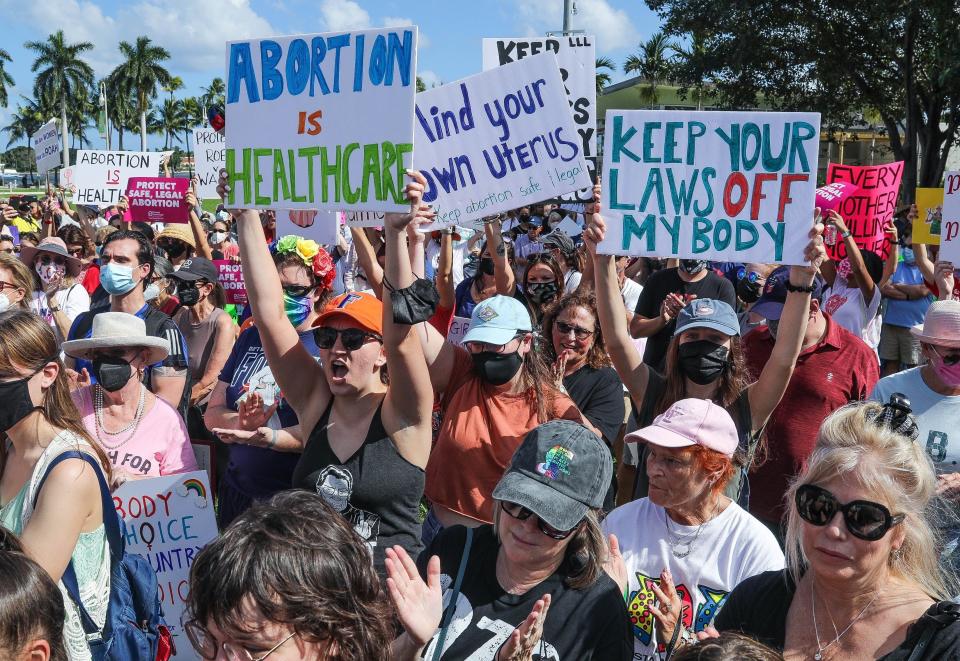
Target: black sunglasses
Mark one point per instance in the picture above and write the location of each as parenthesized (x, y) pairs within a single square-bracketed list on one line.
[(297, 291), (949, 359), (579, 333), (864, 519), (352, 338), (521, 513)]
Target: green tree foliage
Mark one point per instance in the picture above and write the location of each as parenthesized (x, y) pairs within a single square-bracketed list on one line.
[(141, 73), (604, 65), (5, 79), (652, 63)]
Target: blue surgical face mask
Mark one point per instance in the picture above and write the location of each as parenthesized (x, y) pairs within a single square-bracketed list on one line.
[(117, 279), (297, 308), (908, 255)]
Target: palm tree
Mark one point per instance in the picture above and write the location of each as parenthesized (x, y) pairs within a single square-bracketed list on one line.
[(142, 71), (692, 57), (215, 94), (121, 109), (604, 78), (652, 64), (175, 83), (61, 76), (5, 78), (170, 120), (26, 121)]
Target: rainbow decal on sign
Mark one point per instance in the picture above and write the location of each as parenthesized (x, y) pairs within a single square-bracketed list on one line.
[(196, 486)]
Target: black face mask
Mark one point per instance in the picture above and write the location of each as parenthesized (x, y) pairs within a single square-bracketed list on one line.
[(17, 403), (692, 266), (542, 292), (486, 265), (703, 361), (749, 292), (188, 295), (112, 373), (497, 368)]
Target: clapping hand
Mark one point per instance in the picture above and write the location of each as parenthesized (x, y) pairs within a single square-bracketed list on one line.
[(253, 414), (669, 607), (419, 213), (615, 566), (521, 643), (419, 605)]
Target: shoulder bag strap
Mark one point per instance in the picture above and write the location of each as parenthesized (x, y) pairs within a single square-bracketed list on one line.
[(946, 613), (452, 606)]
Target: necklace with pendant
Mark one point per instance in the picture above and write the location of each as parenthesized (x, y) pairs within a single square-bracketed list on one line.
[(682, 545), (816, 631)]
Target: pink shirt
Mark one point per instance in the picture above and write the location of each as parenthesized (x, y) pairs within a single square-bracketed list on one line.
[(160, 445)]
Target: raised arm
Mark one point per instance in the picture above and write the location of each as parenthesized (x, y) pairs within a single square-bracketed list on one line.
[(416, 250), (766, 393), (408, 407), (199, 236), (367, 260), (857, 265), (613, 319), (299, 376), (502, 273), (443, 278)]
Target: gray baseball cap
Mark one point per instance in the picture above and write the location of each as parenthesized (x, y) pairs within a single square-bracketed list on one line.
[(708, 313), (561, 470)]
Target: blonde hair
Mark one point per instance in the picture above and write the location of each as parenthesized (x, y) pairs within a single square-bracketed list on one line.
[(897, 472), (20, 276)]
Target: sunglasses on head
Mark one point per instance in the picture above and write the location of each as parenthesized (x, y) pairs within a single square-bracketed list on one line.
[(297, 291), (864, 519), (352, 338), (579, 333), (521, 513)]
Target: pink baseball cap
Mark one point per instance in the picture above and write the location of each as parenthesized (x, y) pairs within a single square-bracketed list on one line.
[(691, 422)]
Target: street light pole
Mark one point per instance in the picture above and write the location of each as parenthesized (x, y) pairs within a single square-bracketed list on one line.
[(566, 15)]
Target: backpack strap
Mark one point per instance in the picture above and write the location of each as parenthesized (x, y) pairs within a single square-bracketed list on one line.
[(111, 526), (452, 606)]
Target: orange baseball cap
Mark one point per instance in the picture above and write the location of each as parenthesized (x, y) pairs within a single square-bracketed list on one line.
[(366, 310)]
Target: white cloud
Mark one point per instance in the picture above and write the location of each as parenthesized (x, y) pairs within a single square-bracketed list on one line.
[(429, 78), (194, 32), (399, 22), (344, 15), (612, 27)]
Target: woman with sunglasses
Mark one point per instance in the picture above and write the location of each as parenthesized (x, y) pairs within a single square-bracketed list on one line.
[(531, 585), (368, 436), (81, 247), (863, 578), (16, 282), (57, 297), (246, 410)]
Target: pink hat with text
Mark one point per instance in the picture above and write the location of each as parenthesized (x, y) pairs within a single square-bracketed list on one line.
[(691, 422), (941, 325)]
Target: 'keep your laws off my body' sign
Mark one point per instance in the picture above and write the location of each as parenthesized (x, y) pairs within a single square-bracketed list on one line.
[(725, 186), (498, 140), (321, 121)]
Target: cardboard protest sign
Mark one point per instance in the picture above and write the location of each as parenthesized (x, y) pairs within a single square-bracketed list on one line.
[(208, 148), (101, 177), (169, 520), (46, 147), (364, 218), (321, 226), (868, 211), (321, 121), (927, 226), (726, 186), (458, 329), (158, 200), (497, 141), (231, 279), (831, 196), (950, 226)]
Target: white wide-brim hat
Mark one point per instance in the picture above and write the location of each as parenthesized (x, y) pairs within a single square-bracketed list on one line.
[(941, 325), (118, 329)]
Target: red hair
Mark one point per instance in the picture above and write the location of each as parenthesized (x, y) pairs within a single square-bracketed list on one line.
[(714, 463)]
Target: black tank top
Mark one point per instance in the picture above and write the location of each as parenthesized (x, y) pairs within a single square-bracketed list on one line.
[(376, 489)]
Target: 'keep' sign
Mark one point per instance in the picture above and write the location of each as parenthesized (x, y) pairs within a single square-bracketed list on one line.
[(321, 121), (725, 186)]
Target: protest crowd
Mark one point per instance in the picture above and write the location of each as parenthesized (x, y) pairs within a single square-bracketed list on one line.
[(527, 433)]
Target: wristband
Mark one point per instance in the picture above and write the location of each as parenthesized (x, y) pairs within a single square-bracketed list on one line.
[(272, 443), (798, 288), (844, 235)]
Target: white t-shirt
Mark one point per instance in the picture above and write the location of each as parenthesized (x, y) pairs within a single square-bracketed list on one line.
[(846, 306), (631, 291), (72, 301), (936, 415), (571, 281), (730, 548)]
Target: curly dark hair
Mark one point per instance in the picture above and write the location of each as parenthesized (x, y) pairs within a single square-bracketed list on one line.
[(597, 356), (297, 562)]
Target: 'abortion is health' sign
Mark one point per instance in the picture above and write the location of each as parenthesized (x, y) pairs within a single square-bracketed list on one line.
[(208, 155), (321, 121), (169, 520), (158, 200), (871, 208), (101, 176), (498, 140), (726, 186)]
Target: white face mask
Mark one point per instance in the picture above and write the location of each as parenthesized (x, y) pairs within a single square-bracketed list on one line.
[(50, 272), (4, 303), (217, 237), (151, 292)]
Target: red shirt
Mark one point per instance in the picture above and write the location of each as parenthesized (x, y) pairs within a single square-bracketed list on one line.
[(839, 369)]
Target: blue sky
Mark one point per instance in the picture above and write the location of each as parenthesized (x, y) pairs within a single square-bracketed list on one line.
[(194, 31)]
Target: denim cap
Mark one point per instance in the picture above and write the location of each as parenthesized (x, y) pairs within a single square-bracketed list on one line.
[(770, 304), (561, 470), (497, 320), (708, 313)]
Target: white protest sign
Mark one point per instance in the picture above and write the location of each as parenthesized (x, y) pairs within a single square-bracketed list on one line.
[(576, 56), (207, 160), (458, 329), (950, 225), (101, 176), (364, 218), (322, 121), (321, 226), (46, 147), (497, 141), (569, 227), (725, 186), (169, 520)]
